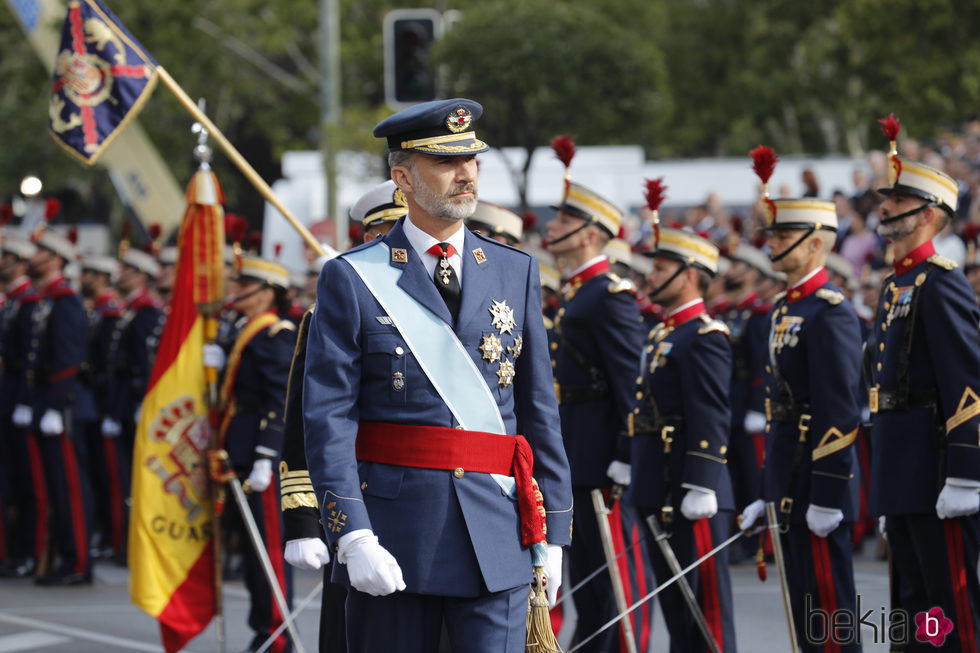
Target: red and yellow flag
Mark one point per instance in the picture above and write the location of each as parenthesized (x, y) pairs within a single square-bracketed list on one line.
[(171, 552)]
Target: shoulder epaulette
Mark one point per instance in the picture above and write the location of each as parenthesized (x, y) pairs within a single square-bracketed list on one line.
[(832, 297), (617, 285), (281, 325), (549, 324), (62, 291), (941, 261), (712, 325), (779, 297)]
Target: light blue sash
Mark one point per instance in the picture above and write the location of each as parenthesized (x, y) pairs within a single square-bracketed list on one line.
[(456, 377)]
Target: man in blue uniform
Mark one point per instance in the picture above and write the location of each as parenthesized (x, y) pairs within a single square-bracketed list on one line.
[(426, 357), (680, 429), (55, 356), (26, 520), (925, 423), (598, 333), (377, 210), (813, 378), (253, 395)]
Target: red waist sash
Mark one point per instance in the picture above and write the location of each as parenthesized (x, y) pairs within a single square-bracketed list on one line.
[(439, 447)]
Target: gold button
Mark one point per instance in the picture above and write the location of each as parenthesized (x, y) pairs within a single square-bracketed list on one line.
[(554, 346), (649, 349), (639, 380), (459, 427), (399, 351), (887, 306), (704, 444), (636, 411), (767, 428), (879, 367), (554, 364), (768, 391), (784, 310), (458, 472), (723, 450), (884, 327), (769, 369), (639, 395), (364, 485), (881, 347), (561, 311)]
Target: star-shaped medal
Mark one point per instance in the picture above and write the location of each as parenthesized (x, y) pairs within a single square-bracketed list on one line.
[(515, 350), (503, 317), (492, 348), (506, 373)]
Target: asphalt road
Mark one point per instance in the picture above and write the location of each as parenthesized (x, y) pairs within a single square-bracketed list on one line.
[(100, 618)]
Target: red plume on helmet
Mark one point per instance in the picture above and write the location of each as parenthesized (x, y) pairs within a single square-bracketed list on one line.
[(529, 220), (73, 235), (564, 147), (764, 161), (255, 242), (52, 207), (277, 250), (235, 226), (656, 192), (890, 127), (6, 213), (156, 232)]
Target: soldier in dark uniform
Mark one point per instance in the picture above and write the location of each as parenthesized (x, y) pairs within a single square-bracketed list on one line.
[(599, 335), (25, 493), (108, 494), (498, 223), (253, 395), (679, 429), (925, 405), (813, 380), (57, 352), (426, 357), (378, 210)]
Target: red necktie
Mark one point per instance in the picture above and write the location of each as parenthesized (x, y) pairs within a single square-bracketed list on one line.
[(447, 283)]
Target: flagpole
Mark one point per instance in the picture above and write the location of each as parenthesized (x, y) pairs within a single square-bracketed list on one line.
[(244, 166)]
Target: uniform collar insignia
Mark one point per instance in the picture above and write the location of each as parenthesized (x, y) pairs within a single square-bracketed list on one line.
[(685, 315), (479, 255), (808, 287), (399, 255), (913, 258)]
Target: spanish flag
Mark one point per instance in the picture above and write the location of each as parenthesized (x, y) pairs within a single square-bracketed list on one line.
[(171, 550)]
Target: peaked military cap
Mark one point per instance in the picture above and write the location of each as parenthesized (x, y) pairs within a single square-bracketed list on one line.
[(57, 243), (383, 203), (17, 245), (259, 269), (920, 180), (583, 203), (141, 261), (688, 248), (440, 127), (497, 220), (802, 213), (104, 264)]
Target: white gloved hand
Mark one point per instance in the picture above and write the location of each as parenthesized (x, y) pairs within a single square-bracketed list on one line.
[(111, 428), (370, 568), (755, 422), (51, 423), (751, 514), (308, 553), (552, 571), (882, 524), (699, 504), (22, 416), (822, 521), (261, 475), (958, 498), (619, 472), (214, 356)]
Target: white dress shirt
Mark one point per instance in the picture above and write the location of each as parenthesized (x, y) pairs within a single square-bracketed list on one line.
[(421, 242)]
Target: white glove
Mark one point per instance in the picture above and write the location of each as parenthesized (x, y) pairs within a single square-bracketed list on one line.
[(51, 423), (619, 472), (370, 568), (699, 504), (261, 475), (23, 416), (751, 514), (308, 553), (214, 356), (881, 527), (958, 498), (552, 571), (111, 428), (822, 521), (755, 422)]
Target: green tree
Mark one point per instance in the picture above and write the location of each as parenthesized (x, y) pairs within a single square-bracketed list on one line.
[(543, 68)]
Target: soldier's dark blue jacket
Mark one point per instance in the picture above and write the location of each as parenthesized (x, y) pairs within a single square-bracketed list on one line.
[(814, 370), (260, 395), (451, 535), (682, 394), (57, 348), (15, 341), (925, 378), (102, 318), (599, 335), (131, 353)]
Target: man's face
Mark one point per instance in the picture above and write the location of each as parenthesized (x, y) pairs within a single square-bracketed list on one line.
[(780, 240), (445, 186), (43, 263), (663, 269), (7, 267), (377, 230), (91, 283), (129, 279), (560, 226), (897, 204), (736, 276)]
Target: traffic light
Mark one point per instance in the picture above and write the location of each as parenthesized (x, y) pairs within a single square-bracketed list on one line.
[(408, 38)]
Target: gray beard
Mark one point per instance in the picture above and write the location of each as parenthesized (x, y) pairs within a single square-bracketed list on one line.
[(444, 208), (897, 230)]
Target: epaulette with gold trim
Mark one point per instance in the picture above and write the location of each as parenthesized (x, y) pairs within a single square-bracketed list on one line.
[(281, 325), (832, 297), (779, 296), (617, 285), (941, 261), (711, 326)]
